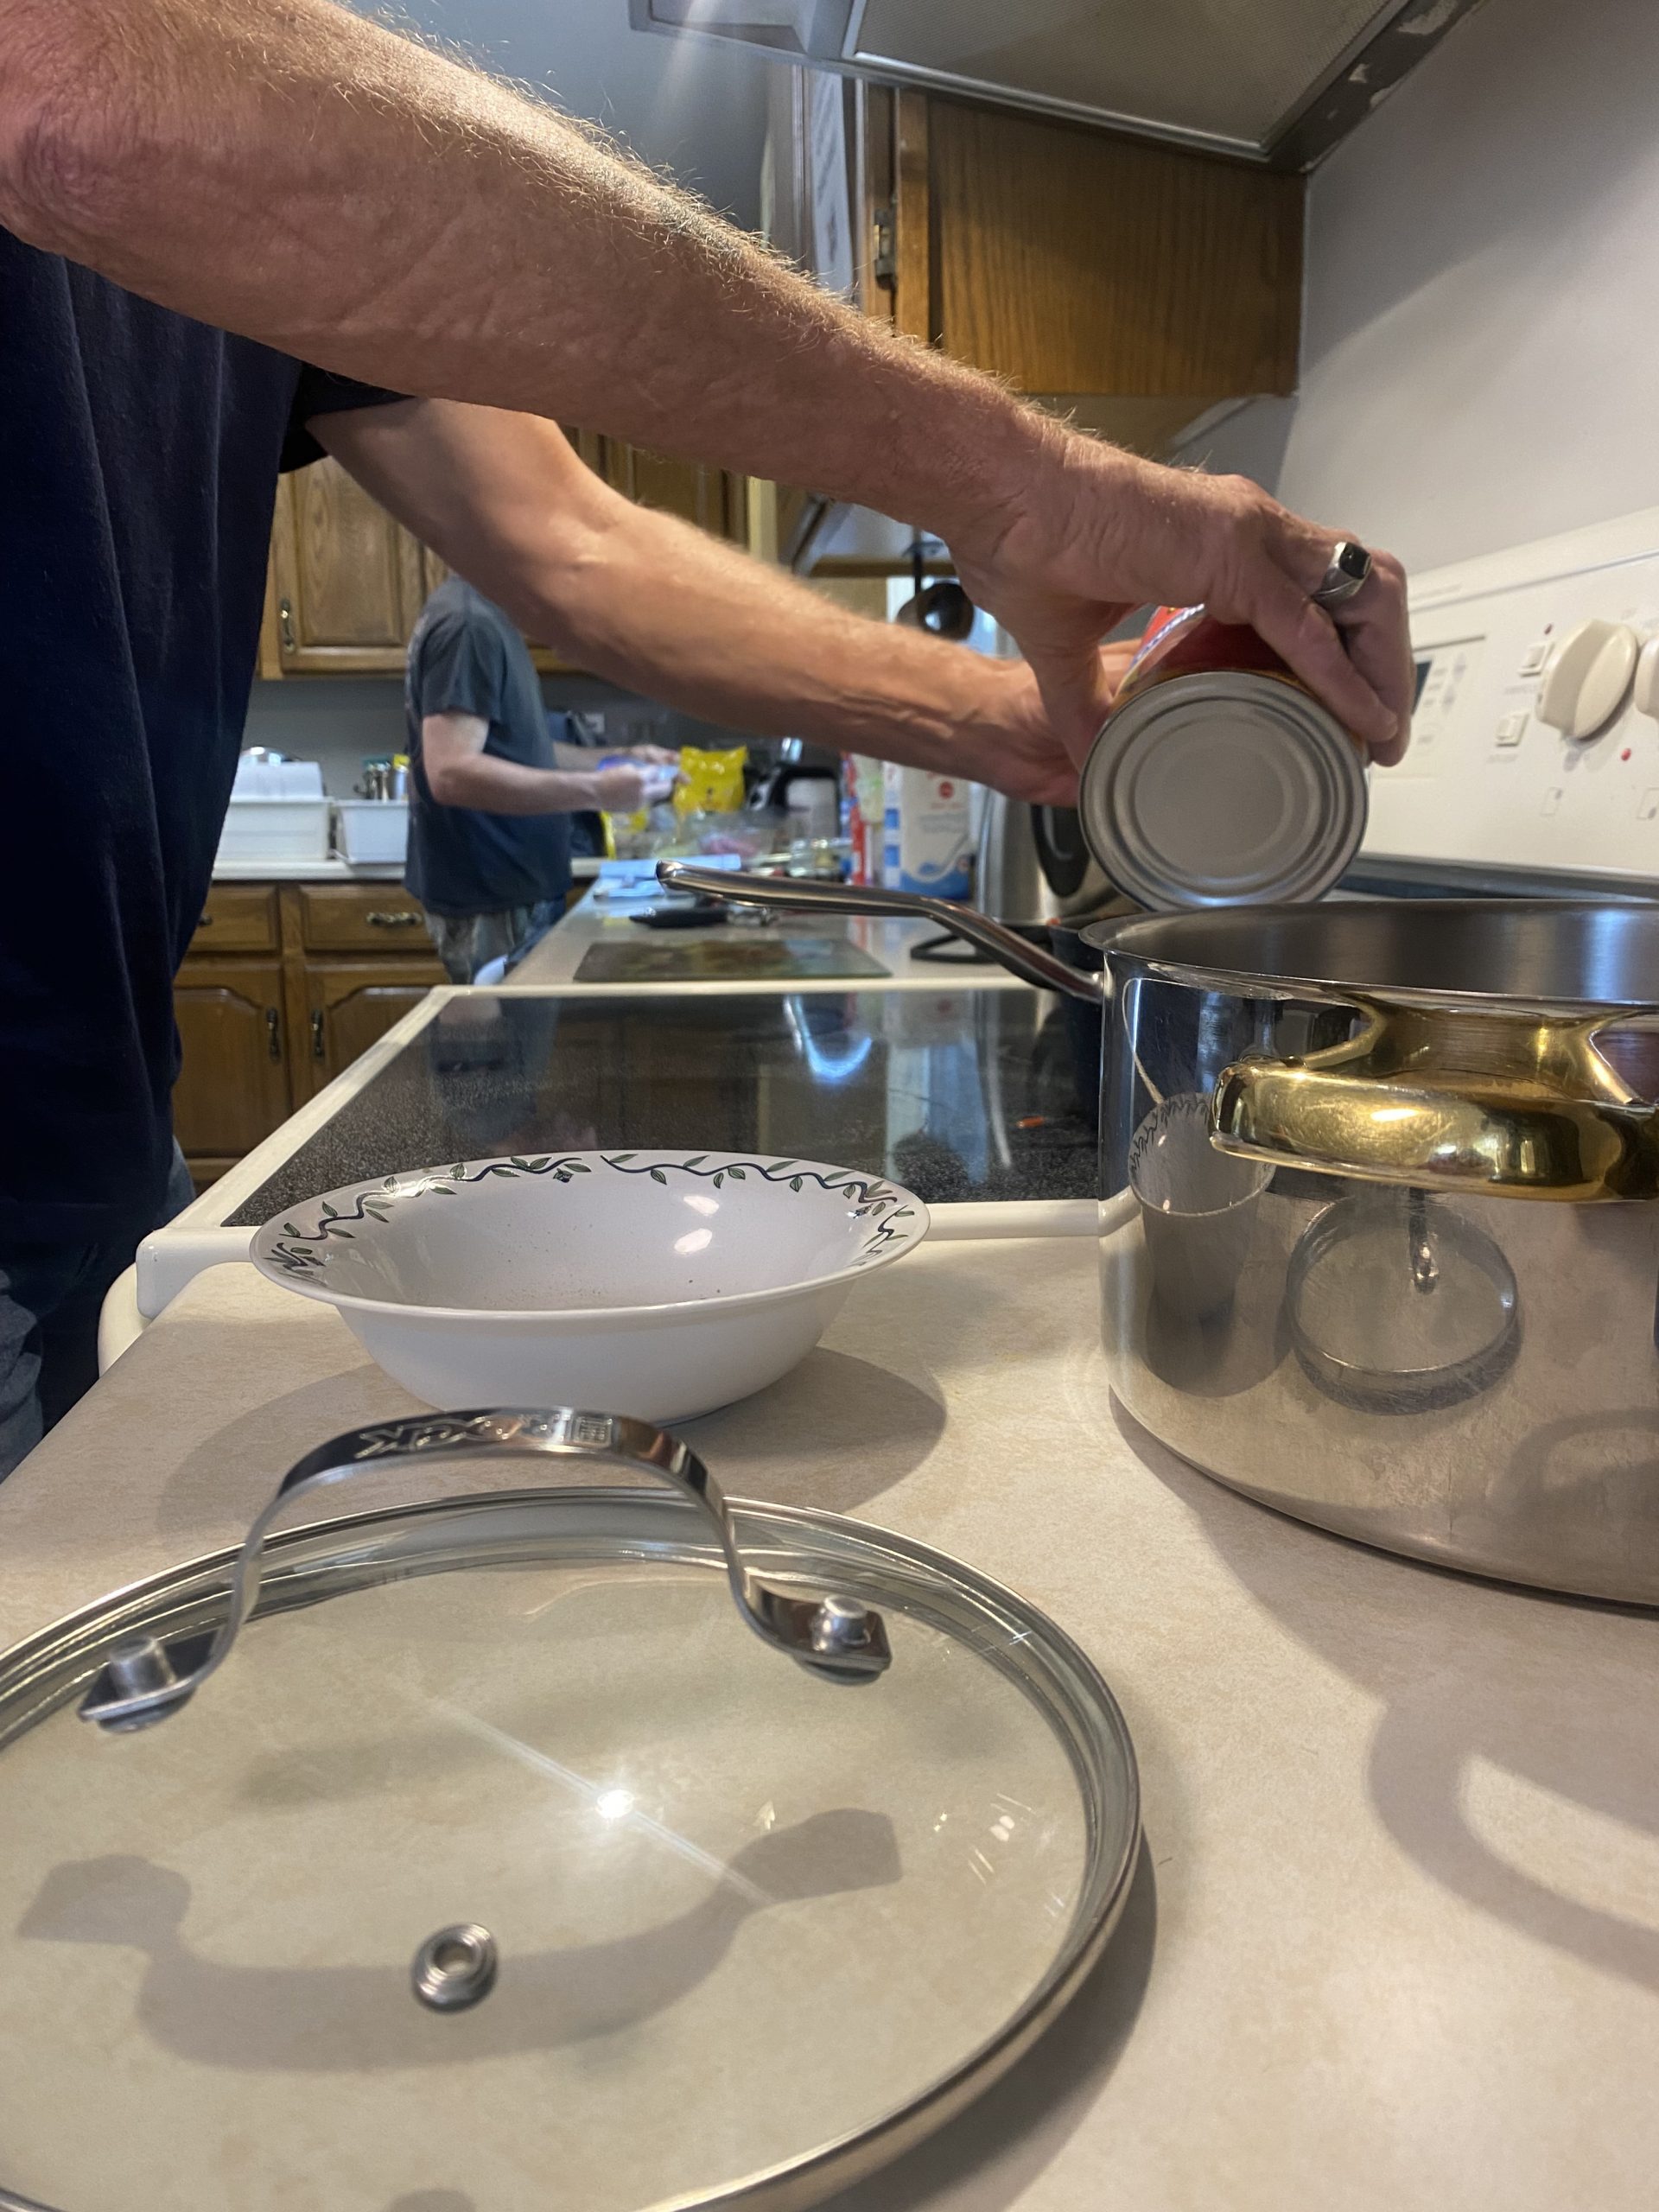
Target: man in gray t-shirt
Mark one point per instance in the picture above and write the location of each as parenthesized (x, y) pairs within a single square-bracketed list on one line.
[(489, 828)]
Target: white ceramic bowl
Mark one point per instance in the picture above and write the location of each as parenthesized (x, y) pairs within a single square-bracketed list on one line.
[(656, 1284)]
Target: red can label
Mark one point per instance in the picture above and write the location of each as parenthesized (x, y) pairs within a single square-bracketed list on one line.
[(1166, 620), (1190, 641)]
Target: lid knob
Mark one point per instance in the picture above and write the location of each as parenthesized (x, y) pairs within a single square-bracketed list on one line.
[(848, 1642), (141, 1682), (455, 1968)]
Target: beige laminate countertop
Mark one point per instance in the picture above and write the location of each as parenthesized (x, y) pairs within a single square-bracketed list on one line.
[(1394, 1941), (330, 869)]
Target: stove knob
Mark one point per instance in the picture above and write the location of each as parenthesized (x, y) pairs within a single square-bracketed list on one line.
[(1588, 675), (1645, 692)]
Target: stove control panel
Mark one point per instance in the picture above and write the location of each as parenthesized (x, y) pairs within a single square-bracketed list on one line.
[(1535, 732), (1587, 678)]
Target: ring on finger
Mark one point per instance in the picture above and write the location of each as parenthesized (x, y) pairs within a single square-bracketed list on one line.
[(1345, 574)]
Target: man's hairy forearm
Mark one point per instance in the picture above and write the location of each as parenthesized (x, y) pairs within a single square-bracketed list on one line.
[(658, 605), (286, 170)]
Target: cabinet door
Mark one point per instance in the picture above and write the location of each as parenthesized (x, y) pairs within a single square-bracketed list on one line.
[(348, 581), (351, 1004), (716, 502), (1135, 284), (233, 1086), (374, 917), (238, 918)]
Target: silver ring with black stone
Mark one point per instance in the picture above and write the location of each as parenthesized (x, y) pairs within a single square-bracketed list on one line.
[(1349, 566)]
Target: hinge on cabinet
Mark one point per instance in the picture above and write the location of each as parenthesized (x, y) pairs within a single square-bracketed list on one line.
[(884, 247)]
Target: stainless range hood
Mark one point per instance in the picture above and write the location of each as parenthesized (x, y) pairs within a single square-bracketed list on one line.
[(1273, 81)]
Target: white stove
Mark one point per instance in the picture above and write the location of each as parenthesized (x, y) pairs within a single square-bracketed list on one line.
[(1534, 748)]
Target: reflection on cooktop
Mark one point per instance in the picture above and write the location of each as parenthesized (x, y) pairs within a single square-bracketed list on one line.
[(967, 1095)]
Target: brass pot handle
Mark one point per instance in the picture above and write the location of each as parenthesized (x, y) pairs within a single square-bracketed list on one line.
[(143, 1678), (1517, 1102)]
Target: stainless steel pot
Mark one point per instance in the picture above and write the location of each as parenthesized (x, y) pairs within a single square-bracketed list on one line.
[(1380, 1242)]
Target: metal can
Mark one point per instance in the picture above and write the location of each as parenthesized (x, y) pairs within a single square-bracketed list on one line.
[(1218, 779)]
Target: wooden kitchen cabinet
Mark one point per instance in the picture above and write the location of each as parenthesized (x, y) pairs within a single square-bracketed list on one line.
[(713, 499), (376, 918), (347, 581), (1131, 286), (234, 1089), (238, 917), (261, 1036), (1135, 284), (346, 584), (350, 1005)]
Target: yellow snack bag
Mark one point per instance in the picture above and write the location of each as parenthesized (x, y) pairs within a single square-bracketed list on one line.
[(710, 782)]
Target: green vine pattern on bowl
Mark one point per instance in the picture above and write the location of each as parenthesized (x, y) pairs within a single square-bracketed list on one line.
[(295, 1253)]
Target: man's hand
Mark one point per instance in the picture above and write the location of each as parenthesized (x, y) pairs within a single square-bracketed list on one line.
[(461, 773), (1013, 743), (620, 789), (1093, 533)]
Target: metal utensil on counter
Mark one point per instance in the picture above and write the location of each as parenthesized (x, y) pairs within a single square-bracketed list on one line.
[(383, 780)]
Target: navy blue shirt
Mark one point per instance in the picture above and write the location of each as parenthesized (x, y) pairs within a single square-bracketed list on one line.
[(139, 453), (466, 658)]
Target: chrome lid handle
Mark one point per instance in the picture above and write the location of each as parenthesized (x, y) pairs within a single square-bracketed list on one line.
[(144, 1679)]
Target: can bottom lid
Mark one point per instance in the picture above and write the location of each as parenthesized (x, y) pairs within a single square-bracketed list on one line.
[(1223, 790)]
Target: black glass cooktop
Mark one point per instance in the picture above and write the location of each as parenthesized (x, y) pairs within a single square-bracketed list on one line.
[(958, 1095)]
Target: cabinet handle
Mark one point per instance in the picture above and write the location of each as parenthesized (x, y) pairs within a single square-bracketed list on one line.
[(319, 1042), (385, 921), (285, 622), (206, 923), (884, 248), (274, 1032)]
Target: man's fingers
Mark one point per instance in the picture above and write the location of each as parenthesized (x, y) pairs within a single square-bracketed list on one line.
[(1377, 631), (1308, 642), (1372, 628), (1077, 689)]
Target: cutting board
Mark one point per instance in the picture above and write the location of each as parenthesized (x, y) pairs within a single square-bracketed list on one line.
[(723, 958)]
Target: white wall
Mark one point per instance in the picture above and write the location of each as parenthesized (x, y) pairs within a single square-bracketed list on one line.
[(1480, 360)]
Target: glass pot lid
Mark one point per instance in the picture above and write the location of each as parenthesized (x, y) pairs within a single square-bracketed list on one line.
[(694, 1853)]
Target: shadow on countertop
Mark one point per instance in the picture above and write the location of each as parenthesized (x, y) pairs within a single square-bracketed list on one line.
[(1482, 1685), (985, 2160)]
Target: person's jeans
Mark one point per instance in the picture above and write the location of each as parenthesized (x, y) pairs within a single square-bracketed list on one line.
[(467, 943), (51, 1292)]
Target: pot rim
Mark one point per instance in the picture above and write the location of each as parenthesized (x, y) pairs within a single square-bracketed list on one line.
[(1135, 945)]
